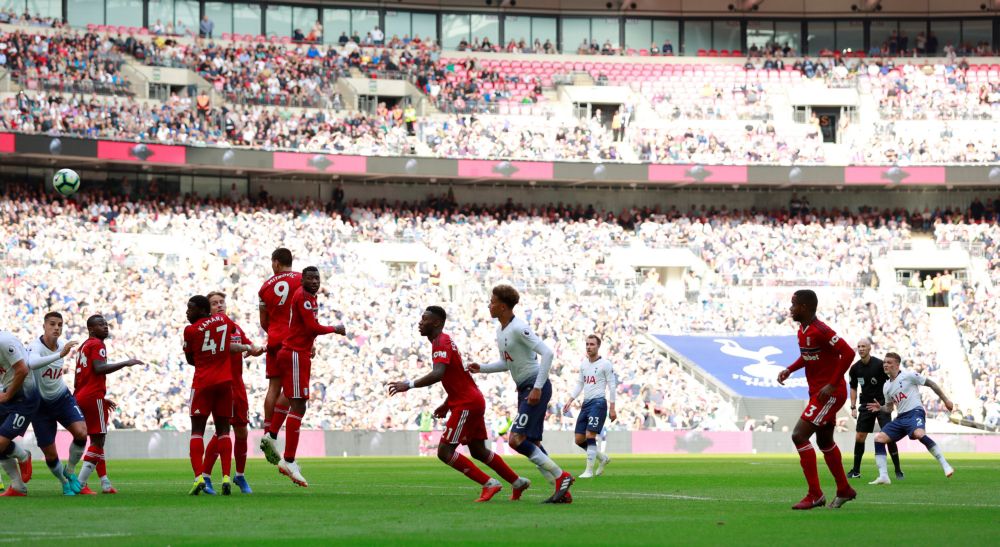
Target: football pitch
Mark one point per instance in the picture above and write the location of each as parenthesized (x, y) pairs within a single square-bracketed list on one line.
[(700, 500)]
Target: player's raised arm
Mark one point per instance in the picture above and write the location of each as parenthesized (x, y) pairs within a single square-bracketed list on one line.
[(429, 379), (37, 362)]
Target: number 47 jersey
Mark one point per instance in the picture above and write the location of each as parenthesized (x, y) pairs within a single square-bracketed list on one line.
[(207, 340)]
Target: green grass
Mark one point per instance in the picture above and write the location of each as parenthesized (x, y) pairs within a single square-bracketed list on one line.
[(640, 500)]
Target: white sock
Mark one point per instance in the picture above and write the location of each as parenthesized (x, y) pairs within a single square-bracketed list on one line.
[(206, 475), (105, 482), (14, 472), (86, 470), (602, 456), (75, 455), (20, 454), (492, 482), (591, 455), (604, 446), (883, 466), (546, 475), (936, 452), (57, 470), (541, 459), (237, 474)]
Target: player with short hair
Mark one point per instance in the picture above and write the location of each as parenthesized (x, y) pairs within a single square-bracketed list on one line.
[(826, 358), (596, 377), (518, 346), (18, 402), (868, 371), (208, 347), (275, 308), (903, 391), (90, 388), (467, 422), (294, 361), (57, 405), (241, 405)]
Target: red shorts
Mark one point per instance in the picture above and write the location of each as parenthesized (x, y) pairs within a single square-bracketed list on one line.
[(95, 413), (214, 400), (241, 408), (271, 367), (821, 414), (295, 366), (464, 425)]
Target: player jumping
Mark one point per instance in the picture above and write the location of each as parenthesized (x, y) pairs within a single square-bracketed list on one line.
[(18, 402), (294, 361), (518, 346), (90, 388), (275, 305), (208, 348), (241, 405), (596, 377), (826, 358), (467, 423), (869, 372), (45, 359), (903, 391)]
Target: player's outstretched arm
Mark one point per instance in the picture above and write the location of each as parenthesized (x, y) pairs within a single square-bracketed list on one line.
[(36, 362), (940, 393), (429, 379), (496, 366), (107, 368)]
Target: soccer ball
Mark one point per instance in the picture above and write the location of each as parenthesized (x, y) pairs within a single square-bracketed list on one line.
[(66, 182)]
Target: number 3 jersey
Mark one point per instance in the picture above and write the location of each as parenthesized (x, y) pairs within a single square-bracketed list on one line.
[(276, 297), (207, 340), (904, 391)]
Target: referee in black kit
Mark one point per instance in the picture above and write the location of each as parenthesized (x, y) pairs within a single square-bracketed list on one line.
[(868, 372)]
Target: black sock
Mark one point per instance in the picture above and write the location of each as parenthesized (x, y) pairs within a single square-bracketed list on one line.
[(859, 454), (273, 435), (894, 454)]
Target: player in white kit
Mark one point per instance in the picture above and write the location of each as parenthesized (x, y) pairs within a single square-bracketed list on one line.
[(518, 346), (596, 377), (45, 359), (18, 403), (903, 391)]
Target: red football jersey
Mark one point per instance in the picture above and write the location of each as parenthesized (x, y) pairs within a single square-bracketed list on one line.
[(821, 357), (458, 383), (88, 383), (237, 336), (207, 340), (303, 327), (276, 297)]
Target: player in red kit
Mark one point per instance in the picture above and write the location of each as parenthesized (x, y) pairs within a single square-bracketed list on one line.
[(294, 361), (207, 347), (90, 387), (826, 358), (241, 405), (467, 423), (275, 304)]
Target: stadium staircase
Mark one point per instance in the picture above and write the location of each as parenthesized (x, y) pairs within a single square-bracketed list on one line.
[(956, 374)]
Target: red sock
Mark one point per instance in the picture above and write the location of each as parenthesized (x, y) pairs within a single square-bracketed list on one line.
[(102, 466), (94, 455), (468, 468), (497, 464), (292, 426), (226, 455), (241, 455), (280, 413), (211, 453), (196, 450), (836, 464), (807, 458)]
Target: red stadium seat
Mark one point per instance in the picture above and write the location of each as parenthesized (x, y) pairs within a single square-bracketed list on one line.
[(91, 27), (227, 36), (702, 52)]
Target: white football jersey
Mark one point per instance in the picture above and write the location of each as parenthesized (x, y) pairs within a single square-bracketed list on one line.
[(12, 351), (517, 344), (904, 391), (595, 379), (48, 378)]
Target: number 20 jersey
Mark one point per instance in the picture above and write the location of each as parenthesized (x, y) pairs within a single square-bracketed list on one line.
[(276, 297)]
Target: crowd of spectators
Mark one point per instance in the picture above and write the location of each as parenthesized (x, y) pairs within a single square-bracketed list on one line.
[(11, 17), (76, 63), (104, 248), (757, 142)]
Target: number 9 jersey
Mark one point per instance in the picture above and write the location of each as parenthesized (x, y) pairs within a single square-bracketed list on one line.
[(207, 342)]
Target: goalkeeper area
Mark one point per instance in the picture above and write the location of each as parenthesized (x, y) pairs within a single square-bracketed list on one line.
[(700, 500)]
